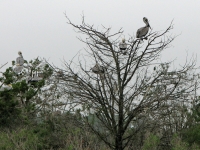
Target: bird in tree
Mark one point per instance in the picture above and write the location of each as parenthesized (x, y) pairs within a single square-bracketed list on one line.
[(98, 69), (142, 32), (20, 59), (19, 63), (123, 46)]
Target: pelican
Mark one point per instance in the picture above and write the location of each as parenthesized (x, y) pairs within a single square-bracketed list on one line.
[(98, 69), (19, 63), (141, 32), (123, 46), (20, 59)]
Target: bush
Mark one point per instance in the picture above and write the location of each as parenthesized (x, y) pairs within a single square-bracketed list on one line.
[(21, 139), (9, 113), (151, 143)]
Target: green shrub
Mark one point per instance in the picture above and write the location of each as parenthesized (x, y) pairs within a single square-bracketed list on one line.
[(151, 143), (22, 139)]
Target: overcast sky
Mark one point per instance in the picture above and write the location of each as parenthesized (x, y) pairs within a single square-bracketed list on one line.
[(39, 28)]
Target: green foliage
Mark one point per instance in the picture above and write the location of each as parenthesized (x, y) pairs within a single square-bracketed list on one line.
[(30, 93), (19, 139), (17, 102), (196, 112), (47, 71), (20, 86), (13, 63), (8, 76), (70, 147), (192, 135), (38, 84), (8, 108), (59, 133), (178, 144), (151, 143)]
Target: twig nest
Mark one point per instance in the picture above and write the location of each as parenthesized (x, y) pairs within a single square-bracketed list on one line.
[(59, 74), (34, 78)]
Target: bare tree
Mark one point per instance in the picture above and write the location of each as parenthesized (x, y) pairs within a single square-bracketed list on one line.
[(3, 65), (121, 87)]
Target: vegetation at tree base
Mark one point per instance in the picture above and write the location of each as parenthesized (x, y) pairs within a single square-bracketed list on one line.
[(8, 108), (108, 100)]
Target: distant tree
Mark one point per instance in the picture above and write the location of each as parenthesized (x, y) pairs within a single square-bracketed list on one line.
[(120, 88), (191, 134), (19, 92)]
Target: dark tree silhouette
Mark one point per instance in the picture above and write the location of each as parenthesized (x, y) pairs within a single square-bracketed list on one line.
[(121, 87)]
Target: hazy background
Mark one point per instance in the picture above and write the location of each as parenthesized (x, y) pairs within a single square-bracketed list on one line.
[(39, 28)]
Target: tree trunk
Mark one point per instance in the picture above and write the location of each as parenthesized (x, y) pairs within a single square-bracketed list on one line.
[(118, 142), (119, 137)]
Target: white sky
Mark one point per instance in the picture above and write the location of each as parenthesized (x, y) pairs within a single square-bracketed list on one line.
[(38, 27)]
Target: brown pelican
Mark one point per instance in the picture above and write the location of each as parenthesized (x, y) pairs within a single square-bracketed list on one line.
[(20, 59), (123, 46), (144, 30), (98, 69), (19, 63)]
